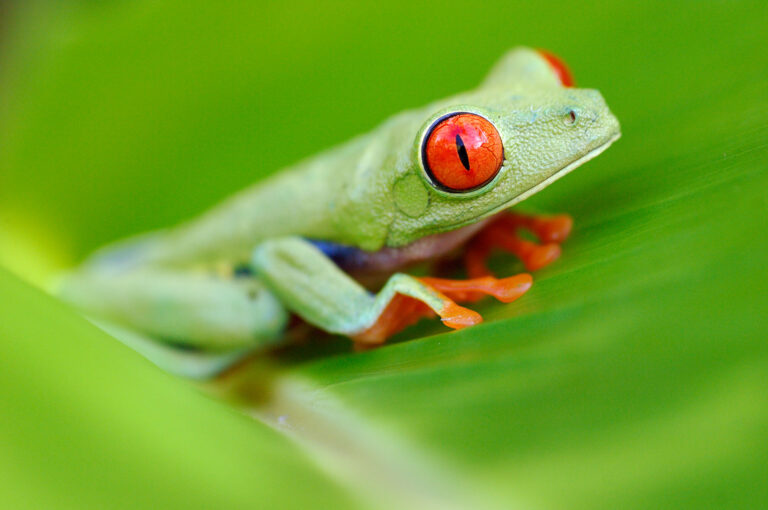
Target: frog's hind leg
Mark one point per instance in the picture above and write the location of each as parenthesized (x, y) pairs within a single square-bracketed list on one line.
[(504, 233), (179, 360), (193, 324)]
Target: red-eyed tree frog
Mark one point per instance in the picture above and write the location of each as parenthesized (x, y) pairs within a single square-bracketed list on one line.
[(310, 240)]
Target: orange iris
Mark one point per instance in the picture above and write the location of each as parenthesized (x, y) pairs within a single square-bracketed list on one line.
[(462, 152)]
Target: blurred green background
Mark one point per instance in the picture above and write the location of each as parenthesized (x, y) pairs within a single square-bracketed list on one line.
[(632, 375)]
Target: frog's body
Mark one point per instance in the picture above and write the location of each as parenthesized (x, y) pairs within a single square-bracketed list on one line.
[(225, 281)]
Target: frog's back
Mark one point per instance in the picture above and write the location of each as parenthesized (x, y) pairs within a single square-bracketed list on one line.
[(296, 201)]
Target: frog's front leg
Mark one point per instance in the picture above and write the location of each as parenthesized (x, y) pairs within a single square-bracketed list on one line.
[(312, 286), (504, 232)]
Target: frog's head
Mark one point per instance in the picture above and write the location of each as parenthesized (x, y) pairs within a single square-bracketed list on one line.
[(485, 151)]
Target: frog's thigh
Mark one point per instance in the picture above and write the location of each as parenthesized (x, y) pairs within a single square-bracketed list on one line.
[(197, 310), (311, 285)]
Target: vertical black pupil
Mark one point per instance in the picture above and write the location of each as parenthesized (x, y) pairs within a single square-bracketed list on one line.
[(462, 150)]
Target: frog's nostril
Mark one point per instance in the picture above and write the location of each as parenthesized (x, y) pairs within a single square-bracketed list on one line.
[(570, 117)]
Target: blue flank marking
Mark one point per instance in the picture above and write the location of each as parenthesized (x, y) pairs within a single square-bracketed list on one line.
[(242, 271), (344, 256)]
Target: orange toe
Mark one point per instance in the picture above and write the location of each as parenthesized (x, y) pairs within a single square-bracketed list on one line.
[(552, 229), (541, 256), (458, 317), (509, 289), (505, 289)]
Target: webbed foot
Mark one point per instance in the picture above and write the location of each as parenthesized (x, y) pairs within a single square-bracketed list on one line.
[(503, 232), (402, 311)]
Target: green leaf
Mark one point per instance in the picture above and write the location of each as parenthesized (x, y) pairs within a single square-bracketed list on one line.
[(87, 423), (632, 375)]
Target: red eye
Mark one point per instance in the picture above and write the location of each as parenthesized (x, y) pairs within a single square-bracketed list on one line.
[(462, 151), (559, 67)]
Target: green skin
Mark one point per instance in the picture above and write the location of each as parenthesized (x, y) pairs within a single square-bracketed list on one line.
[(371, 193)]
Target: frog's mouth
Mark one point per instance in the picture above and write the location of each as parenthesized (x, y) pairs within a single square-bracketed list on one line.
[(570, 167)]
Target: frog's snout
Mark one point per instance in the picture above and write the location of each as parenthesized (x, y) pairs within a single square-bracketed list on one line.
[(589, 111)]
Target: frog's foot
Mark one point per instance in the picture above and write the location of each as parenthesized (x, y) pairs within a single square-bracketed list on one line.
[(503, 233), (547, 228), (402, 311)]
